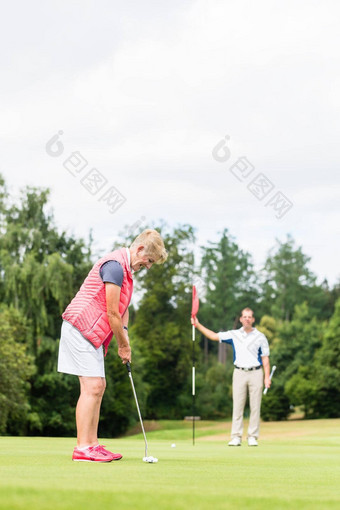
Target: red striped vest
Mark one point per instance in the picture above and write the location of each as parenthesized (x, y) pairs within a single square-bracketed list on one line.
[(87, 310)]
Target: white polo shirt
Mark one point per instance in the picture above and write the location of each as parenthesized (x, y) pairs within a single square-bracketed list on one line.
[(248, 347)]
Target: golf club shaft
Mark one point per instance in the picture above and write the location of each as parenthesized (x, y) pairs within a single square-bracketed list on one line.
[(270, 377), (128, 366), (193, 384)]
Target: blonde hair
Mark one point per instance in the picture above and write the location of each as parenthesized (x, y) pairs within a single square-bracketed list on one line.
[(153, 244), (247, 310)]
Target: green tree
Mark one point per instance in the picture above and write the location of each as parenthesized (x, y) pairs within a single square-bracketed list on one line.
[(275, 405), (53, 395), (298, 342), (316, 387), (118, 410), (162, 326), (286, 280), (301, 390), (16, 367), (230, 286), (214, 393), (327, 369), (293, 348), (230, 282), (268, 326), (40, 269)]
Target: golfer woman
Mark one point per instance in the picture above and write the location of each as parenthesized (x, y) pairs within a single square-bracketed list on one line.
[(97, 312)]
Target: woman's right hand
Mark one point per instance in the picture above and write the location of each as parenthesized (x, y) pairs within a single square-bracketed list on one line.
[(124, 352)]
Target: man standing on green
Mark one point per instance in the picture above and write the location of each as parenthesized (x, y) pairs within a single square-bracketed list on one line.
[(251, 353)]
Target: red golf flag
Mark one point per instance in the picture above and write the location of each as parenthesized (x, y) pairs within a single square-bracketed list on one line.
[(195, 302)]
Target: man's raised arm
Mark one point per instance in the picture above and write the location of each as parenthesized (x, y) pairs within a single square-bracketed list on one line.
[(205, 331)]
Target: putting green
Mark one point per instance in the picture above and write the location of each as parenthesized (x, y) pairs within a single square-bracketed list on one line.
[(296, 466)]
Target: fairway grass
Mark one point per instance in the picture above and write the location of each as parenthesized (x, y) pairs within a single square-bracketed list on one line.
[(297, 466)]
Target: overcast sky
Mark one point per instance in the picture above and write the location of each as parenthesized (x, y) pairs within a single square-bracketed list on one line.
[(141, 95)]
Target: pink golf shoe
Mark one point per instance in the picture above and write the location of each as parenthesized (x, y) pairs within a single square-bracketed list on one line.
[(95, 454)]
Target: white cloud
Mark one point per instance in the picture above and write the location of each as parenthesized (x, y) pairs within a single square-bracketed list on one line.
[(145, 92)]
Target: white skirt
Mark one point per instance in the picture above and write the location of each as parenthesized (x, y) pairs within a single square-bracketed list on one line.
[(77, 356)]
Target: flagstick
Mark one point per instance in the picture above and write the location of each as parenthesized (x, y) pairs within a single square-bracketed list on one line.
[(193, 385)]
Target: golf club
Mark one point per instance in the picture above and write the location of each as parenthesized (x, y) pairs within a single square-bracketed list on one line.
[(149, 459), (270, 377)]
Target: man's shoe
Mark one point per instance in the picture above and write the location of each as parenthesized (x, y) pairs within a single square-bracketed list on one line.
[(236, 441), (94, 454), (252, 441)]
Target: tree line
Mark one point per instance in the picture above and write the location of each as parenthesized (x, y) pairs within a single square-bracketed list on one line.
[(41, 268)]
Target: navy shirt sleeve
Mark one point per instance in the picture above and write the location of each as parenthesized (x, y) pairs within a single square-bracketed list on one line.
[(111, 271)]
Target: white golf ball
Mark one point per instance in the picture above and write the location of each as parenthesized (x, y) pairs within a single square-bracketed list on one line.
[(150, 459), (173, 445)]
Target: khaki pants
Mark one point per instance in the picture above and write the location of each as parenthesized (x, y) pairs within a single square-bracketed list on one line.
[(242, 381)]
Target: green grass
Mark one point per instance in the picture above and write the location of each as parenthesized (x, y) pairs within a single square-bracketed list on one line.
[(296, 466)]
